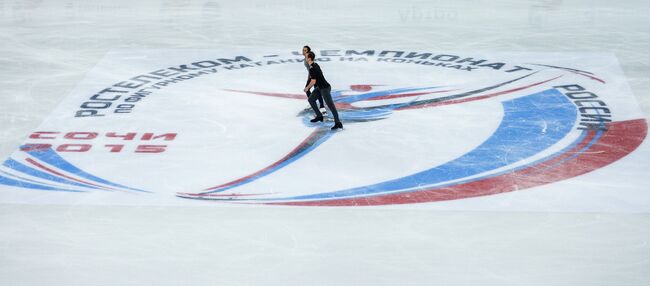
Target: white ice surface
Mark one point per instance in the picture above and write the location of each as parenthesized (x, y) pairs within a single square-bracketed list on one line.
[(48, 47)]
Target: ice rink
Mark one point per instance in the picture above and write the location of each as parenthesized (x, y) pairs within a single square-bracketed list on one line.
[(369, 205)]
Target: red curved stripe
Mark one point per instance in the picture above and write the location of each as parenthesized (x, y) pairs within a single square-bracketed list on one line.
[(273, 94), (207, 195), (591, 77), (309, 140), (621, 139)]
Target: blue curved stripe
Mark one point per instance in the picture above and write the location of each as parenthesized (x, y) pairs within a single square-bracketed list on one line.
[(537, 162), (372, 113), (322, 135), (15, 165), (16, 177), (363, 114), (530, 125), (52, 158), (539, 170), (22, 184)]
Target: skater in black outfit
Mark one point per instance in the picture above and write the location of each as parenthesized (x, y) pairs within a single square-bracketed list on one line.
[(316, 78), (305, 50)]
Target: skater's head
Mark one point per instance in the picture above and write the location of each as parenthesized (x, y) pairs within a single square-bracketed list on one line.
[(310, 57), (305, 50)]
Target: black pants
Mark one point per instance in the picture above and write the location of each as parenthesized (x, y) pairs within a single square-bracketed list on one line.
[(323, 93), (320, 98)]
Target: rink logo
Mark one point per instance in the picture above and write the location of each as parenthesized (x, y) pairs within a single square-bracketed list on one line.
[(543, 111), (554, 123), (534, 122)]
